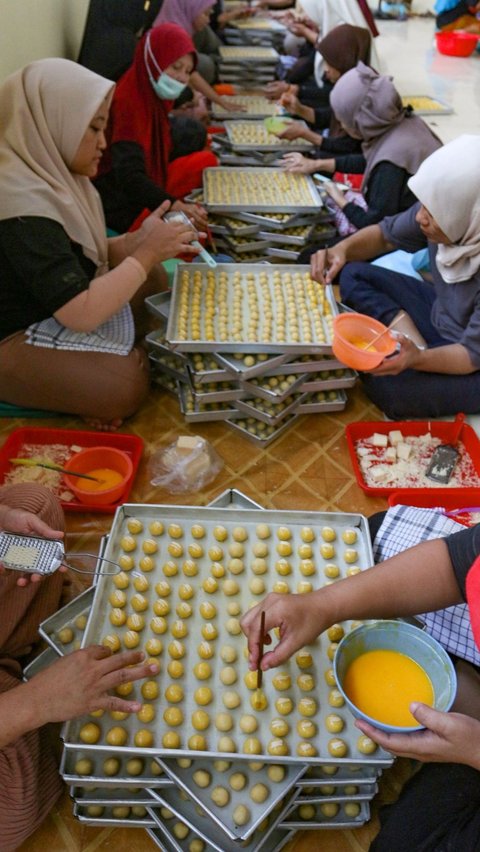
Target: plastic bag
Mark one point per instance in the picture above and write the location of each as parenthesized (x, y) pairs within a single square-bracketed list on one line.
[(186, 465)]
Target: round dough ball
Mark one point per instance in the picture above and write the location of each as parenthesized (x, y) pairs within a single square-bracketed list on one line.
[(281, 587), (131, 639), (139, 603), (209, 631), (190, 568), (197, 531), (95, 811), (241, 815), (175, 530), (202, 778), (305, 682), (350, 555), (260, 549), (197, 743), (180, 830), (228, 675), (202, 671), (257, 586), (236, 550), (176, 649), (278, 747), (159, 624), (150, 690), (304, 659), (136, 621), (223, 722), (306, 812), (171, 739), (150, 546), (349, 536), (233, 626), (163, 588), (112, 641), (337, 747), (128, 543), (259, 566), (352, 809), (307, 706), (111, 766), (282, 681), (205, 650), (215, 553), (307, 534), (147, 564), (200, 720), (66, 635), (117, 617), (248, 723), (117, 736), (210, 585), (124, 689), (335, 632), (305, 551), (118, 598), (284, 705), (331, 571), (161, 607), (303, 588), (203, 695), (207, 610), (175, 669), (329, 809), (228, 654), (141, 583), (156, 528), (126, 564), (328, 534), (276, 773), (90, 733), (231, 699), (306, 749), (237, 781), (174, 693), (186, 591), (306, 728), (250, 679), (196, 845), (179, 629), (334, 723), (259, 793), (146, 714), (220, 533), (195, 550), (122, 580), (279, 727), (143, 738), (236, 566), (154, 647), (134, 526), (220, 796), (239, 534), (335, 698), (354, 569), (365, 745), (184, 609), (263, 531), (217, 570), (329, 677), (258, 700), (327, 550)]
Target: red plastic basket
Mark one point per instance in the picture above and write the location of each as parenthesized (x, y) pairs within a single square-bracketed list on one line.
[(456, 43), (437, 428), (130, 444)]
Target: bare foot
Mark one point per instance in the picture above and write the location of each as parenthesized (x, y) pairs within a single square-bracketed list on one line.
[(102, 426)]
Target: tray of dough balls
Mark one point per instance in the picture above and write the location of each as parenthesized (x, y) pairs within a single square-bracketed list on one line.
[(90, 795), (336, 787), (252, 107), (274, 388), (185, 840), (240, 245), (110, 768), (270, 412), (265, 836), (134, 816), (348, 814), (157, 365), (187, 576), (203, 412), (243, 366), (426, 105), (265, 189), (323, 402), (253, 309), (253, 136), (258, 432), (230, 225), (340, 773), (258, 56), (283, 221), (326, 380), (64, 629), (236, 797), (298, 235)]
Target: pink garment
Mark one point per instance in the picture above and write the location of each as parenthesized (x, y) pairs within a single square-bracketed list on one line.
[(182, 12)]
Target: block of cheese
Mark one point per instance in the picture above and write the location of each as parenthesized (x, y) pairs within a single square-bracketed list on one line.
[(379, 472), (379, 440), (186, 443), (390, 454), (395, 437), (403, 451)]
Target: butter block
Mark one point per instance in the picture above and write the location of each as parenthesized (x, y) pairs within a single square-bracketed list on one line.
[(379, 440), (395, 437), (186, 443), (403, 451)]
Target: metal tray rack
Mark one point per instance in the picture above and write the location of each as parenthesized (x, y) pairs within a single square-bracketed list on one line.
[(247, 366), (275, 388), (73, 760), (252, 135), (327, 380), (296, 235), (239, 245), (283, 221), (72, 618), (320, 820), (427, 105), (256, 107), (108, 817), (229, 190), (260, 433), (362, 791), (258, 56), (235, 291), (271, 413), (323, 402), (195, 412)]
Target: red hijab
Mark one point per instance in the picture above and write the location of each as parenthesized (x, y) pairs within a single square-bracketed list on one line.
[(137, 114)]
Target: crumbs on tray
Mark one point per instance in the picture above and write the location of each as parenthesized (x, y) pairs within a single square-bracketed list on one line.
[(51, 479), (395, 460)]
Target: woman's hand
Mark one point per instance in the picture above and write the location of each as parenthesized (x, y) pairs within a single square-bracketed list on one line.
[(230, 105), (408, 358), (195, 212), (275, 89), (326, 264), (448, 738), (297, 163), (295, 130), (81, 683), (27, 523), (336, 194), (157, 240), (297, 618), (290, 101)]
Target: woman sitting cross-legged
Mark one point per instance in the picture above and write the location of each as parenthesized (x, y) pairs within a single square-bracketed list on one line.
[(72, 301)]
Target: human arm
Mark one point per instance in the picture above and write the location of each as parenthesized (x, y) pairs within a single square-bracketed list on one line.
[(198, 83), (447, 738), (75, 684), (420, 579), (451, 359), (297, 130), (298, 164), (26, 523), (290, 101), (363, 245)]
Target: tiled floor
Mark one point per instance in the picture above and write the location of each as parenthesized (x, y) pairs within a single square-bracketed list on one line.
[(307, 468)]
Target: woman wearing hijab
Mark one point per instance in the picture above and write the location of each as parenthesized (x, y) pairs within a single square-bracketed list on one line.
[(394, 144), (436, 371), (194, 17), (133, 174), (342, 49), (65, 286)]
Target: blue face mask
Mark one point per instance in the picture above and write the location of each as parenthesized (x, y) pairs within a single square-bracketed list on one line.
[(165, 87)]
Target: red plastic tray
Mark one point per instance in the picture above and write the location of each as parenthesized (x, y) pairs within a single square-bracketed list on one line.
[(130, 444), (438, 429), (444, 498)]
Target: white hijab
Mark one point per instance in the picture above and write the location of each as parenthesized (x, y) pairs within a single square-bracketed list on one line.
[(327, 14), (448, 185), (45, 109)]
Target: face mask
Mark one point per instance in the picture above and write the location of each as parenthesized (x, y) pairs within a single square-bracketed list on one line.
[(165, 87)]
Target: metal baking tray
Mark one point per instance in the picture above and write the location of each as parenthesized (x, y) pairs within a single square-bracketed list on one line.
[(257, 106), (309, 364), (281, 221), (263, 141), (251, 257), (294, 283), (167, 843), (314, 787), (111, 796), (260, 433), (235, 226), (272, 413), (258, 24), (276, 387), (287, 238), (41, 662), (159, 304), (284, 253), (158, 366), (108, 818), (66, 618), (203, 412), (208, 518), (341, 820), (239, 245), (224, 816), (258, 55), (345, 773), (233, 499), (248, 366), (206, 368), (229, 190), (427, 105), (315, 406), (98, 778), (364, 792), (184, 809), (166, 383), (317, 383), (155, 341)]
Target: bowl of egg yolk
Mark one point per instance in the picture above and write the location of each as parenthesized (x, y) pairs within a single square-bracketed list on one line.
[(382, 667), (111, 471), (352, 334)]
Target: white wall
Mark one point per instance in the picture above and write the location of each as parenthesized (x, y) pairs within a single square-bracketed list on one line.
[(34, 29)]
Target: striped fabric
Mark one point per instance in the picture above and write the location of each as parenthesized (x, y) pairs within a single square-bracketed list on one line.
[(29, 779), (116, 335)]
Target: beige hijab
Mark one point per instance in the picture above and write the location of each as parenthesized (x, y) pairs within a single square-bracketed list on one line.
[(448, 185), (45, 109)]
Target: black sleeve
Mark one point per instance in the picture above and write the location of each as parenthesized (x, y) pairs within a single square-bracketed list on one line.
[(341, 145), (353, 164), (323, 117), (128, 165), (463, 548), (385, 193)]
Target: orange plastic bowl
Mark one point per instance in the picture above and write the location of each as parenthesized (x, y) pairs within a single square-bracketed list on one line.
[(95, 458), (456, 43), (353, 331)]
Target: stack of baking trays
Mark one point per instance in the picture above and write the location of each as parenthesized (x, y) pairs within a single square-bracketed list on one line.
[(257, 30), (249, 141), (248, 344), (205, 765), (247, 66)]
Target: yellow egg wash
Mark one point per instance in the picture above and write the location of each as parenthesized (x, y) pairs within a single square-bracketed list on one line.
[(383, 684), (360, 343), (107, 478)]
